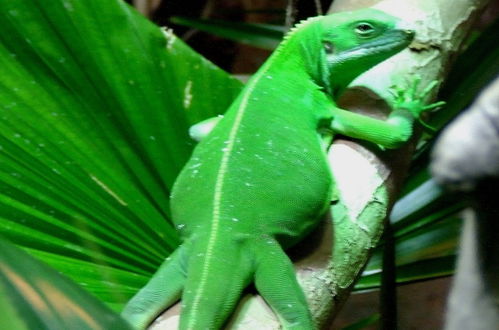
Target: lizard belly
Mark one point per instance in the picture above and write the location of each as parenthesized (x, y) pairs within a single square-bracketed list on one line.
[(285, 197)]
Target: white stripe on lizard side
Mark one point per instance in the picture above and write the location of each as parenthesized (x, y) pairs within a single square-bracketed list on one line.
[(217, 198)]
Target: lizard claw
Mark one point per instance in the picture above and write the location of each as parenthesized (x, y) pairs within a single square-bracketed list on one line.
[(410, 98), (413, 90), (429, 88), (435, 105)]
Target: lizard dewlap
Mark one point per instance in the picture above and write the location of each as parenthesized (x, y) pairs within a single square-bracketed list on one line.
[(259, 181)]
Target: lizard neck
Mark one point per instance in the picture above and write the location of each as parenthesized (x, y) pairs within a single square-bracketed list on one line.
[(300, 55)]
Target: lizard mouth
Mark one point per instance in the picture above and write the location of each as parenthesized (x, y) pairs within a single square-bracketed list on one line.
[(352, 62)]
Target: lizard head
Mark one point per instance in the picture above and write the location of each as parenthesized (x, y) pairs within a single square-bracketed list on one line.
[(353, 42)]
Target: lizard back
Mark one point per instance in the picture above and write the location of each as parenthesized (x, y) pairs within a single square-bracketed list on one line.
[(262, 170)]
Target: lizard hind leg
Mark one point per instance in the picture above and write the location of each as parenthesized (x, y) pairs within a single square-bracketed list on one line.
[(275, 280), (162, 291), (215, 281)]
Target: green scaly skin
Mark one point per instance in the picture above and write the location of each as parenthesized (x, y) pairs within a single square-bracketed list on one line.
[(260, 181)]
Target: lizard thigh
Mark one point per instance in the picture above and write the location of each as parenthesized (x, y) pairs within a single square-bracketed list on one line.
[(215, 281), (162, 290), (275, 280)]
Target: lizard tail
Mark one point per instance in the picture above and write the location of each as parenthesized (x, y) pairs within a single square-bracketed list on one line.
[(275, 280), (160, 292), (214, 284)]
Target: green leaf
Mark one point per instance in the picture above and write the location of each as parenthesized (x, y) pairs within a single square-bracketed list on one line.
[(426, 204), (426, 229), (33, 296), (259, 35), (95, 104), (437, 240), (413, 272)]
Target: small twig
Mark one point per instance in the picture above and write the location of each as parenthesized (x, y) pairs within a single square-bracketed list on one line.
[(318, 7), (388, 291), (205, 13), (290, 14), (146, 7)]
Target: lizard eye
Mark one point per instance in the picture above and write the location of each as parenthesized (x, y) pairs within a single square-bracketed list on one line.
[(328, 47), (364, 29)]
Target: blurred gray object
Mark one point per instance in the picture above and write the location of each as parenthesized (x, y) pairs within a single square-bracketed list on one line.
[(468, 150), (466, 159)]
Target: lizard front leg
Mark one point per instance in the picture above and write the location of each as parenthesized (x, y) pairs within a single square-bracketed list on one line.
[(396, 129)]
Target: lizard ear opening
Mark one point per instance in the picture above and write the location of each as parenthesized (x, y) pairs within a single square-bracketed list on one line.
[(328, 47)]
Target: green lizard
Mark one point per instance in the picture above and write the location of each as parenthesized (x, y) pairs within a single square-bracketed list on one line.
[(259, 181)]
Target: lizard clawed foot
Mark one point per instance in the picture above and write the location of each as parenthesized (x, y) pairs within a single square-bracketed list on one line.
[(407, 96)]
